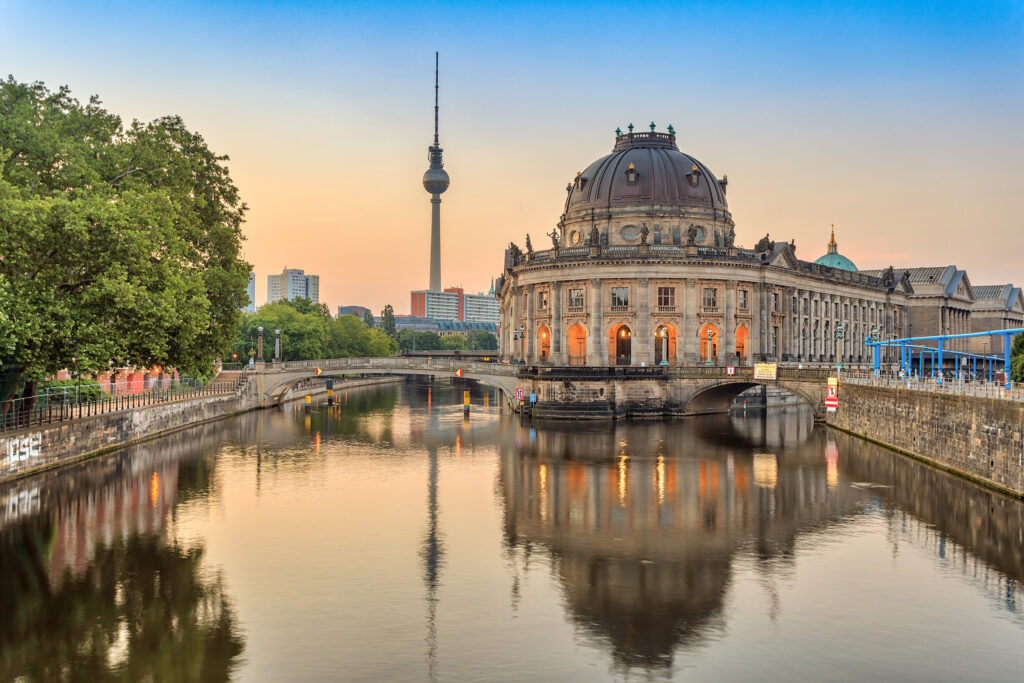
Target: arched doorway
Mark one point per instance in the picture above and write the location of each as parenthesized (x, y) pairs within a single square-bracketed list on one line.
[(576, 336), (709, 344), (665, 345), (620, 345), (543, 344), (742, 344)]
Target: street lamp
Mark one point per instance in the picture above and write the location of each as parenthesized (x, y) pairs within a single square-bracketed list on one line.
[(259, 352), (515, 342), (662, 334), (709, 361), (839, 345), (277, 345), (522, 339)]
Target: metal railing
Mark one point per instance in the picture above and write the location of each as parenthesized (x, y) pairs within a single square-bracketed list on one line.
[(47, 408), (959, 386)]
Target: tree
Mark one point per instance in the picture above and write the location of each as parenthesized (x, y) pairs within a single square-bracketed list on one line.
[(453, 342), (387, 320), (305, 305), (480, 340), (119, 244), (368, 318)]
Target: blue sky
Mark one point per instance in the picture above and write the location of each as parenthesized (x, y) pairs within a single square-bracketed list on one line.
[(898, 122)]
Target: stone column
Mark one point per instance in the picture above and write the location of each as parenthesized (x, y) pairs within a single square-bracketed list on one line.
[(557, 355), (729, 323), (786, 333), (513, 344), (757, 321), (596, 355), (689, 334), (642, 340), (531, 326)]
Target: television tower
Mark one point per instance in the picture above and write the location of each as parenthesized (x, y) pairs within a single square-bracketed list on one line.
[(435, 181)]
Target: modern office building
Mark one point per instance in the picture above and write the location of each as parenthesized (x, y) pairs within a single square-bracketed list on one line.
[(250, 291), (293, 283), (358, 311), (454, 304)]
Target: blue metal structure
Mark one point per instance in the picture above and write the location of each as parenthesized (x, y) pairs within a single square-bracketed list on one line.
[(937, 353)]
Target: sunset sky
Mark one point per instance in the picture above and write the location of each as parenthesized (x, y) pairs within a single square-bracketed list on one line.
[(901, 123)]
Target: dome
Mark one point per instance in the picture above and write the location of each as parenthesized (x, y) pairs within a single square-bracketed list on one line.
[(646, 169), (833, 259)]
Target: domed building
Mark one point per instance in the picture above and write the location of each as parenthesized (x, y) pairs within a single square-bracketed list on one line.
[(643, 269), (832, 258)]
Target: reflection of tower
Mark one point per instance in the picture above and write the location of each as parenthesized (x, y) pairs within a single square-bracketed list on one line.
[(435, 181), (432, 553)]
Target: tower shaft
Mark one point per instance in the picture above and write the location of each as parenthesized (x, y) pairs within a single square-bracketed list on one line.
[(435, 243)]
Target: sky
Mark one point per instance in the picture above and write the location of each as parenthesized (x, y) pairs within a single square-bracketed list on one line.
[(900, 123)]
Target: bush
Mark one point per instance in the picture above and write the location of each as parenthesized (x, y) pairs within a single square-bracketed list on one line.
[(72, 390)]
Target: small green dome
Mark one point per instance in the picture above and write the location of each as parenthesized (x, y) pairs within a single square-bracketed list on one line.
[(833, 259)]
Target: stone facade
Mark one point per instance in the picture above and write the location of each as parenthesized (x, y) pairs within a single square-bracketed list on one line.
[(979, 438), (643, 270)]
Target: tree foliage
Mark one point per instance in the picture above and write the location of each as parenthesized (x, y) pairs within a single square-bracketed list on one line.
[(310, 335), (387, 320), (368, 318), (119, 243)]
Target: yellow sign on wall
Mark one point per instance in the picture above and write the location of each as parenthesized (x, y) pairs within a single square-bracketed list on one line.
[(765, 370)]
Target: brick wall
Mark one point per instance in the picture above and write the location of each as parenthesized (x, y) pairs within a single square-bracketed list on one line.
[(980, 438)]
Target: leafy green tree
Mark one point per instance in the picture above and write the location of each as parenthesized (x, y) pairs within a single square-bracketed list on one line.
[(387, 320), (304, 336), (424, 341), (305, 305), (368, 318), (480, 340), (453, 342), (350, 337), (119, 243)]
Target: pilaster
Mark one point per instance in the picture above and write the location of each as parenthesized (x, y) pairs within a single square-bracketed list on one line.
[(596, 344), (688, 335), (531, 326), (557, 355), (642, 340)]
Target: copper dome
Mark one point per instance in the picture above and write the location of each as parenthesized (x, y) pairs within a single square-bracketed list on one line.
[(644, 169)]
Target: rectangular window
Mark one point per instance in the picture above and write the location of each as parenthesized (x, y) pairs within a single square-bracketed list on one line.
[(835, 310), (775, 302), (805, 306), (666, 297), (620, 297), (846, 311), (743, 298), (872, 315), (815, 308), (795, 307), (775, 340), (575, 298), (542, 300), (710, 297)]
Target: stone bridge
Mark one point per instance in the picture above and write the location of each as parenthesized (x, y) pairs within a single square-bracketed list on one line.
[(570, 392)]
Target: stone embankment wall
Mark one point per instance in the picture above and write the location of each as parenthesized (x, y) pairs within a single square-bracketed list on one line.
[(982, 439), (34, 450)]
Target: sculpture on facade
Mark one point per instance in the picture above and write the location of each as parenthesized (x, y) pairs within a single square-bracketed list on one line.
[(644, 232), (718, 239), (529, 246), (730, 238), (764, 244), (889, 278), (595, 237), (554, 238), (515, 253), (691, 235)]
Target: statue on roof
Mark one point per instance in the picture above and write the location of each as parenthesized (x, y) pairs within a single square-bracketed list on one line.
[(764, 244), (644, 232), (554, 238), (792, 246), (691, 235), (889, 277), (595, 237), (529, 246), (730, 238)]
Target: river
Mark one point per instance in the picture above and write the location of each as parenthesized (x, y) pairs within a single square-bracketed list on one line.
[(391, 538)]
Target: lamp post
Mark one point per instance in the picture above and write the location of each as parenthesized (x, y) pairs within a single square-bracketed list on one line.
[(259, 348), (277, 345), (664, 345), (515, 343), (522, 342), (709, 362), (839, 345)]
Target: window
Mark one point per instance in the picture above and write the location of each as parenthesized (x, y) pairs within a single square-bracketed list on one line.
[(795, 306), (872, 315), (666, 297), (846, 311), (575, 298), (806, 305), (815, 308), (542, 300), (710, 296), (620, 297), (775, 302), (835, 310), (775, 340), (743, 298)]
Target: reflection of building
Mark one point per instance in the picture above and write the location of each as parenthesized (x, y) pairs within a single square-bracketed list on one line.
[(293, 283), (645, 531), (643, 269)]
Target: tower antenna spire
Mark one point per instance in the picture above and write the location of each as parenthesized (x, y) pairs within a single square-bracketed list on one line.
[(435, 96)]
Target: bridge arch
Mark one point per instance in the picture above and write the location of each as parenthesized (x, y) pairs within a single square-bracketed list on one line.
[(717, 397)]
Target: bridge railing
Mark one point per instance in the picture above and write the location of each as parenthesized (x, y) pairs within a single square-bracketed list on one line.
[(961, 386), (394, 364)]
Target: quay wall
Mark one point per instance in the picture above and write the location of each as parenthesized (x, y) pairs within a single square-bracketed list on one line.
[(978, 438), (54, 445)]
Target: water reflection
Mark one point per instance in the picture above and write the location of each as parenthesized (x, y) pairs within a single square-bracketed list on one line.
[(93, 582), (644, 522)]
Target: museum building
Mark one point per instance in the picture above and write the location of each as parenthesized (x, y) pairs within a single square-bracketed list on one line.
[(643, 269)]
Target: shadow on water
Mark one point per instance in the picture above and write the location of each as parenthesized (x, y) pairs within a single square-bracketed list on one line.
[(93, 583), (643, 521)]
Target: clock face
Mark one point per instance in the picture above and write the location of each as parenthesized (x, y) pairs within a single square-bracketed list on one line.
[(575, 238)]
